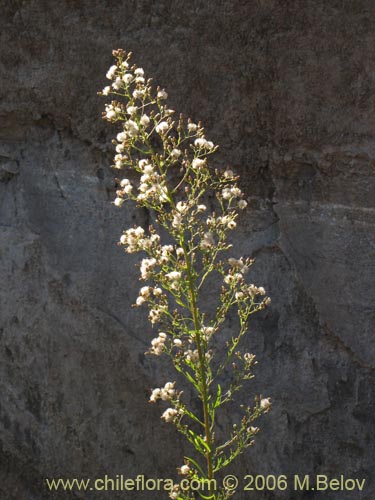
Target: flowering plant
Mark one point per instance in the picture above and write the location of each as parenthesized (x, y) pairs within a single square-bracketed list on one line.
[(167, 161)]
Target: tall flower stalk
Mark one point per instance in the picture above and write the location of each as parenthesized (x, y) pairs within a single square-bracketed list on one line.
[(185, 261)]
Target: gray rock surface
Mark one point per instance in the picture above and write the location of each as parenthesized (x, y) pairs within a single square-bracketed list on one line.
[(287, 90)]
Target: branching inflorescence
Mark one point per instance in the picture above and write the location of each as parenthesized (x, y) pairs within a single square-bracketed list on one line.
[(167, 161)]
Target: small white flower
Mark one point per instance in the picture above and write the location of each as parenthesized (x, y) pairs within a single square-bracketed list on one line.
[(208, 240), (120, 148), (192, 127), (177, 342), (228, 174), (185, 469), (162, 127), (173, 276), (208, 331), (162, 94), (117, 84), (176, 222), (124, 182), (148, 170), (238, 264), (139, 72), (131, 110), (155, 395), (236, 192), (144, 121), (182, 207), (180, 252), (138, 94), (121, 137), (125, 64), (231, 224), (118, 202), (145, 292), (146, 267), (198, 163), (132, 128), (140, 301), (128, 78), (128, 189), (170, 414), (249, 358), (242, 204), (176, 153), (228, 279), (157, 292), (168, 391), (139, 79), (106, 90), (226, 193), (192, 356), (111, 72), (209, 145), (265, 403), (201, 208), (166, 249), (154, 315), (111, 113), (200, 142)]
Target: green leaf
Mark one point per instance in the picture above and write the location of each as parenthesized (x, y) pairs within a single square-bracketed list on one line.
[(218, 397), (197, 466)]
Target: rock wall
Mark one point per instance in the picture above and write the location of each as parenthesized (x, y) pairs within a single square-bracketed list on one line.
[(287, 90)]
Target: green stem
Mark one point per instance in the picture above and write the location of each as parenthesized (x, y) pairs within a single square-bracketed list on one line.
[(201, 355)]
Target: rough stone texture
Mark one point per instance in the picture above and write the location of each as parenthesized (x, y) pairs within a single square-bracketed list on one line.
[(287, 90)]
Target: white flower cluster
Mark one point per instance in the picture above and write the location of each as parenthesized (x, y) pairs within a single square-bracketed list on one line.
[(184, 470), (135, 240), (198, 163), (155, 314), (207, 332), (158, 344), (231, 279), (202, 143), (126, 189), (111, 112), (231, 192), (252, 291), (174, 277), (238, 264), (208, 240), (265, 404), (191, 356), (146, 292), (165, 393), (169, 415), (249, 358), (147, 266), (225, 220)]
